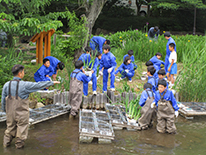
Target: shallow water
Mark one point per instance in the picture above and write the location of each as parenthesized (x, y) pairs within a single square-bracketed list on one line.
[(60, 136)]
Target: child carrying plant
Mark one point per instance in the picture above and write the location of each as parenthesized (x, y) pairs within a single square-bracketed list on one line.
[(126, 69), (147, 113), (161, 75), (44, 72), (107, 66), (78, 78), (94, 78), (86, 57), (156, 61), (130, 54), (167, 108), (149, 63), (172, 68), (151, 79)]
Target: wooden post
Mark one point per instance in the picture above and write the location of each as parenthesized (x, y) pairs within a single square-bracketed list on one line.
[(41, 49), (45, 46), (37, 52), (49, 44), (54, 41)]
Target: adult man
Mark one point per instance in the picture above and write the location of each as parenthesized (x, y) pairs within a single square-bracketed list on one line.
[(153, 32), (170, 40), (97, 43), (15, 103), (55, 64)]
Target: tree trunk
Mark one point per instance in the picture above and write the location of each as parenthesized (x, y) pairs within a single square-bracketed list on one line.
[(92, 15), (138, 7)]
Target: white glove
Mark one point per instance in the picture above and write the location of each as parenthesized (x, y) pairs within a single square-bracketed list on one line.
[(176, 114), (90, 74), (100, 73), (153, 104), (127, 71), (109, 70)]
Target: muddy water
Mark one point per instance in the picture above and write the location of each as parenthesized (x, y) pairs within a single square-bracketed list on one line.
[(60, 136)]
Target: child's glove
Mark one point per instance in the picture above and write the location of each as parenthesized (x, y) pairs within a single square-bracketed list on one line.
[(126, 70), (176, 114), (100, 73), (109, 70), (153, 104)]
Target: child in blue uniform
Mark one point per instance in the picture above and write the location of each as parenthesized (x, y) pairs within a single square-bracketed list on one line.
[(78, 78), (147, 113), (172, 67), (130, 54), (108, 65), (126, 69), (97, 42), (167, 108), (86, 57), (149, 63), (151, 79), (44, 72), (170, 40), (156, 60), (55, 64), (161, 75), (94, 78)]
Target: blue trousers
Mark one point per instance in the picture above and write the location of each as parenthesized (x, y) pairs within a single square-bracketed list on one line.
[(166, 63), (105, 79), (94, 84), (37, 79), (128, 75)]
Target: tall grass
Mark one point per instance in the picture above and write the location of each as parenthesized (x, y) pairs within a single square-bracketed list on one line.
[(191, 82)]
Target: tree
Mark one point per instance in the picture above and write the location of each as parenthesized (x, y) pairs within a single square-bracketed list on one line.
[(19, 17)]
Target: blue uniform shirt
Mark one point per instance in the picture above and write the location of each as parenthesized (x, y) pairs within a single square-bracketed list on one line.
[(99, 42), (144, 96), (107, 61), (168, 97), (42, 72), (96, 64), (80, 76), (170, 40), (123, 67), (25, 88), (53, 63), (152, 33), (85, 58), (157, 62), (152, 81)]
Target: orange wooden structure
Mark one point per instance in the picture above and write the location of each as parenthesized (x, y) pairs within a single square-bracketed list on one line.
[(40, 38)]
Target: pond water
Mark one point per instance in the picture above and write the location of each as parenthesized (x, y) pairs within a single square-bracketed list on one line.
[(59, 136)]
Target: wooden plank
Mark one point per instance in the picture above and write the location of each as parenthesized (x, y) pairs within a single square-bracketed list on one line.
[(49, 44), (41, 49), (45, 46), (35, 37)]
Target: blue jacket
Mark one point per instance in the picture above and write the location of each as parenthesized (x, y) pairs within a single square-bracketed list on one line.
[(96, 64), (152, 81), (157, 62), (168, 97), (144, 96), (85, 58), (81, 76), (157, 79), (25, 88), (107, 61), (99, 41), (132, 57), (170, 40), (43, 71), (123, 67), (53, 63), (152, 33)]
